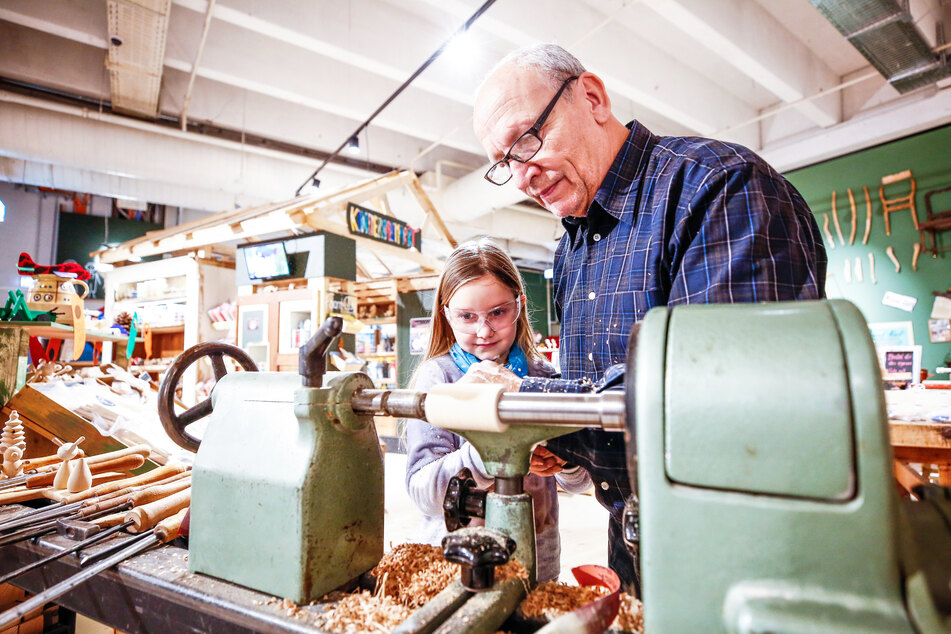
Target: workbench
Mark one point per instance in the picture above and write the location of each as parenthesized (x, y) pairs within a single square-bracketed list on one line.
[(153, 592), (916, 436)]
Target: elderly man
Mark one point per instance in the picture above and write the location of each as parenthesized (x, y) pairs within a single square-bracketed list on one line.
[(649, 221)]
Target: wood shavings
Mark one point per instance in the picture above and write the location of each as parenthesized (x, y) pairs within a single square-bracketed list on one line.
[(630, 616), (413, 574), (365, 612), (552, 599)]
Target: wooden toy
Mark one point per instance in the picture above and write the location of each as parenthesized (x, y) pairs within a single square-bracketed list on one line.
[(66, 453), (13, 434), (80, 477), (12, 465)]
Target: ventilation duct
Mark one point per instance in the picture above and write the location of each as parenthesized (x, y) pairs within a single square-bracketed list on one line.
[(137, 32), (884, 32)]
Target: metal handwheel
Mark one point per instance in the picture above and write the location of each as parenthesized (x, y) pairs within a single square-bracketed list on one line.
[(175, 424)]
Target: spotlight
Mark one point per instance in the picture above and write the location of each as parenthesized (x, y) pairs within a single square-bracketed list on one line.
[(353, 145)]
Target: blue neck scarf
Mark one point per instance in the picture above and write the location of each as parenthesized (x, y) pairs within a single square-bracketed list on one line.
[(517, 362)]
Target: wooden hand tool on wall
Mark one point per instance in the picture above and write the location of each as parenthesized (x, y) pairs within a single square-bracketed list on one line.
[(890, 252), (830, 241), (914, 257), (835, 219), (871, 268), (852, 206), (868, 216)]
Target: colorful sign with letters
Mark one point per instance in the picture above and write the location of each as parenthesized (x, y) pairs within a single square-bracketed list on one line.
[(371, 224)]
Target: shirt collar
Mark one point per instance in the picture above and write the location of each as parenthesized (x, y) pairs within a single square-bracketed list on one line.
[(620, 183)]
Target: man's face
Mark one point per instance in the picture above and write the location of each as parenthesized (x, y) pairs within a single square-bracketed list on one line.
[(564, 176)]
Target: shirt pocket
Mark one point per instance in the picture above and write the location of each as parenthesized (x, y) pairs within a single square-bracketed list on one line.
[(616, 314)]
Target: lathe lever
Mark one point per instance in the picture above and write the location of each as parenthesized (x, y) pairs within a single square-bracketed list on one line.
[(463, 501), (478, 550)]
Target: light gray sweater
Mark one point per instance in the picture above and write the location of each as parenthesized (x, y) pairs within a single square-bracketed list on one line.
[(435, 455)]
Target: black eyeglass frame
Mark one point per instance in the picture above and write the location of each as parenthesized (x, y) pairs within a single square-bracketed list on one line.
[(532, 131)]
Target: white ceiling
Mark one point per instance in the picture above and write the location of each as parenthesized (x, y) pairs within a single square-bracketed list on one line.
[(299, 75)]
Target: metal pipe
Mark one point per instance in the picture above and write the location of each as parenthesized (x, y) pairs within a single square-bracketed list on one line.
[(605, 410)]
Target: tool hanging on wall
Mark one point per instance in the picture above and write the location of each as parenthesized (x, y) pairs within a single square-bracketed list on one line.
[(871, 268), (899, 203), (857, 270), (835, 219), (914, 257), (890, 252), (847, 274), (868, 215), (830, 241), (852, 206)]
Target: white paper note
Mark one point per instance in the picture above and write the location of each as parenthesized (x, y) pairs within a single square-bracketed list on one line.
[(901, 302)]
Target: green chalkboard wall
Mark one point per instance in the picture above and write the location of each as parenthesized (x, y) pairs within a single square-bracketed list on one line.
[(81, 234), (928, 157), (536, 290)]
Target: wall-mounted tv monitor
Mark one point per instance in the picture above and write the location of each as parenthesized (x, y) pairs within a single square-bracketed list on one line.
[(266, 261)]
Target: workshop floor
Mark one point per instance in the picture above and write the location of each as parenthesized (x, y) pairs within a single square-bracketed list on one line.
[(584, 524)]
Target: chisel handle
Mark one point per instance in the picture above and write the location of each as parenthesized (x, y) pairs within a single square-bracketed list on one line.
[(46, 461), (133, 498), (169, 528), (153, 494), (145, 517), (138, 450), (127, 490), (125, 463), (146, 478)]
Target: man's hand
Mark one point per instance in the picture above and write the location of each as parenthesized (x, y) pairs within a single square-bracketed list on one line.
[(544, 462), (492, 372)]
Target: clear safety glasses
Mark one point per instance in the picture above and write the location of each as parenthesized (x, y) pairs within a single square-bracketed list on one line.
[(470, 321)]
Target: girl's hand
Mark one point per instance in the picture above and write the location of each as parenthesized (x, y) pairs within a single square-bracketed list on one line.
[(544, 462), (492, 372)]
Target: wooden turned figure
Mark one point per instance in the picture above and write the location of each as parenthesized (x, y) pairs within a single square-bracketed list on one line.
[(66, 453), (80, 477), (13, 434), (12, 465)]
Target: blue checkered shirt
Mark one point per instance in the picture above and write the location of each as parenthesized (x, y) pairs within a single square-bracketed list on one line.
[(675, 221)]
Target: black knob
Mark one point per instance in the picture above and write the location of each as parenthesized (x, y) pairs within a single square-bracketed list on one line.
[(478, 550), (463, 501)]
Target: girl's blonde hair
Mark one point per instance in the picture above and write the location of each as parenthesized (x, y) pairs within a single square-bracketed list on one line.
[(469, 262)]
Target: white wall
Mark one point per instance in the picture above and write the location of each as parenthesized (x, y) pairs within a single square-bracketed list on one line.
[(29, 226)]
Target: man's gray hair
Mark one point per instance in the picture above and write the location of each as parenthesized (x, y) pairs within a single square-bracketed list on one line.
[(555, 63)]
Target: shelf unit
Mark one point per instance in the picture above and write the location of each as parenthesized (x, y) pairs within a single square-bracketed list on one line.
[(274, 323), (171, 297)]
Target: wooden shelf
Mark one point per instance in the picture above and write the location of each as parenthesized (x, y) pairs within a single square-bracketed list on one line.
[(378, 355), (62, 331), (161, 330), (178, 297)]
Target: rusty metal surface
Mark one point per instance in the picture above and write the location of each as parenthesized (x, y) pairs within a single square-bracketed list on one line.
[(154, 592)]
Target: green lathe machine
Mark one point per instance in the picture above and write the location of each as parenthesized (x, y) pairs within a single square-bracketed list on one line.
[(759, 453)]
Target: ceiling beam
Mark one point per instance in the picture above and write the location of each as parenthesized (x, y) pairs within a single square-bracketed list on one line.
[(747, 37)]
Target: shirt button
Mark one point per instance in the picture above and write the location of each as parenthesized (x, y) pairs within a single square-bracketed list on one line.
[(596, 237), (605, 486), (592, 295), (590, 356)]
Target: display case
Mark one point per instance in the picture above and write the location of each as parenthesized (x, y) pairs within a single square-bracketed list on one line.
[(171, 298)]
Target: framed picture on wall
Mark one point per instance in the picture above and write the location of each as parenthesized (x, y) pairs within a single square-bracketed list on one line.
[(939, 330), (892, 333), (900, 363)]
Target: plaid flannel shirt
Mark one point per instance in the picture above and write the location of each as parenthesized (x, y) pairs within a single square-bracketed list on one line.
[(675, 221)]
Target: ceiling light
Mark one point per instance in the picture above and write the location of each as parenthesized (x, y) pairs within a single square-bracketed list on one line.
[(3, 211), (353, 145)]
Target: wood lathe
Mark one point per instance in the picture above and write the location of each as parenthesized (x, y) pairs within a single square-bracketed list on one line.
[(758, 450)]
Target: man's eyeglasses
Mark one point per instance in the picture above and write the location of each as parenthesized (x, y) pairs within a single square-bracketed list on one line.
[(470, 321), (526, 146)]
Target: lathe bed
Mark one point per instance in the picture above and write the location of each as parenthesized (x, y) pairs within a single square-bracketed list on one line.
[(154, 592)]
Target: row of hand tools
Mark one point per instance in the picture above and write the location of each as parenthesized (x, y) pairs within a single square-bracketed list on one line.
[(152, 507)]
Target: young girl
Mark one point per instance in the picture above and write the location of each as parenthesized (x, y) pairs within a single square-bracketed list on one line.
[(479, 315)]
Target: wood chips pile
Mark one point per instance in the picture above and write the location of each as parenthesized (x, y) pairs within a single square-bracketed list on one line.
[(552, 599), (413, 574), (365, 612)]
